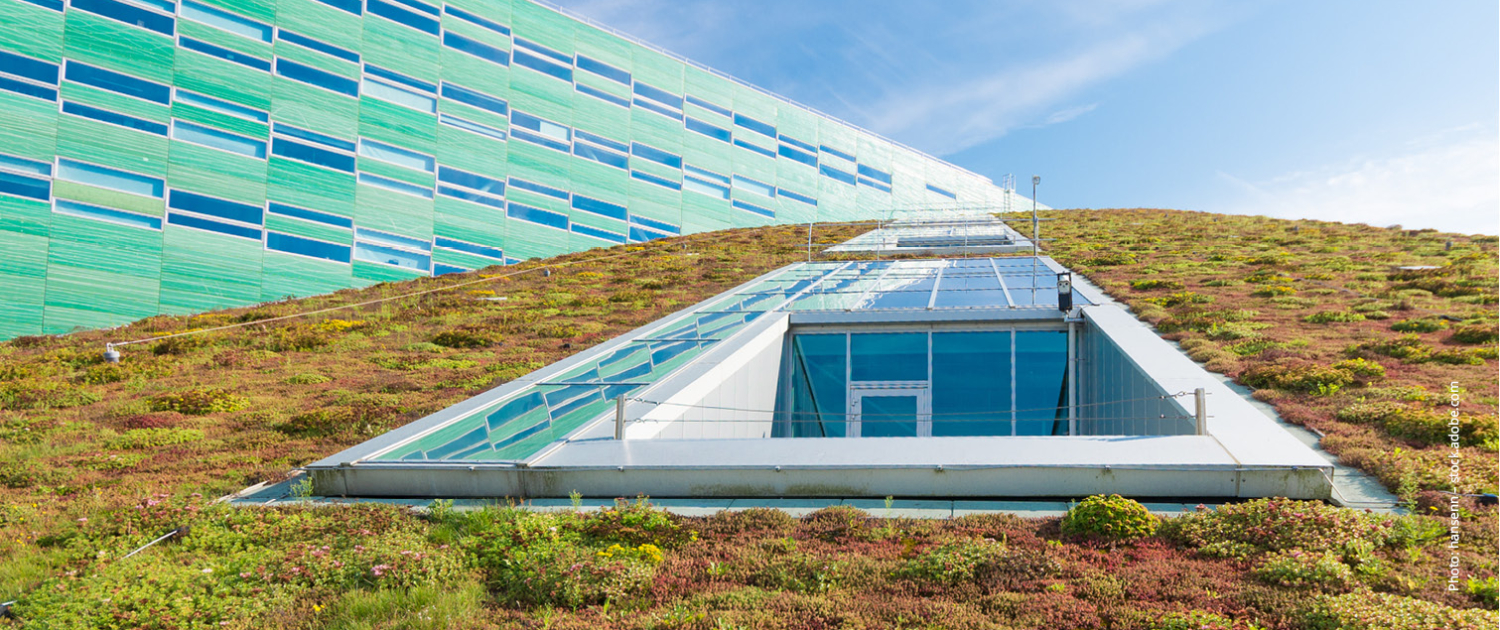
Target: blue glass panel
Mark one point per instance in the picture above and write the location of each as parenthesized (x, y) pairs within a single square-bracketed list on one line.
[(225, 54), (544, 51), (472, 127), (210, 137), (73, 208), (134, 16), (522, 58), (765, 212), (30, 167), (705, 187), (113, 118), (887, 416), (27, 67), (474, 19), (396, 155), (213, 226), (123, 181), (225, 20), (655, 225), (420, 6), (313, 76), (55, 5), (337, 143), (193, 202), (223, 107), (165, 6), (472, 248), (971, 383), (29, 89), (648, 105), (659, 95), (942, 192), (470, 196), (746, 145), (395, 185), (755, 125), (865, 181), (470, 97), (819, 391), (798, 143), (392, 256), (598, 233), (600, 208), (116, 82), (480, 50), (307, 247), (659, 181), (356, 7), (470, 180), (602, 141), (398, 95), (601, 155), (706, 174), (717, 133), (440, 269), (835, 152), (536, 215), (655, 155), (875, 174), (798, 155), (547, 128), (640, 234), (20, 186), (840, 175), (722, 111), (377, 71), (602, 95), (310, 215), (745, 183), (603, 69), (312, 154), (1039, 391), (888, 356), (308, 42), (537, 139), (539, 188), (797, 196), (393, 240), (401, 15)]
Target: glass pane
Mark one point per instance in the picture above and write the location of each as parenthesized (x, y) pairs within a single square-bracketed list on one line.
[(888, 356), (971, 383), (1041, 361), (819, 392), (888, 416)]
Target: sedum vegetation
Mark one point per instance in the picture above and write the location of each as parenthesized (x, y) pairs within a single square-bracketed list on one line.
[(97, 459)]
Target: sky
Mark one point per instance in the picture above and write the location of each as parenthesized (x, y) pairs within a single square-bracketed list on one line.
[(1369, 111)]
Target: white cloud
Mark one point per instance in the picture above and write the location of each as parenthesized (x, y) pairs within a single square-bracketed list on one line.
[(1450, 182)]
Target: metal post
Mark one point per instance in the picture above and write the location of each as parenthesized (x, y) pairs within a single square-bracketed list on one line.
[(1035, 234), (1201, 410), (1072, 378), (620, 417)]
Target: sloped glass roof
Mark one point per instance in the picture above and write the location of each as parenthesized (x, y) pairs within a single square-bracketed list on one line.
[(518, 423)]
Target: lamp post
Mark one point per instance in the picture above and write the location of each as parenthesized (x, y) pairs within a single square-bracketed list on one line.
[(1035, 181)]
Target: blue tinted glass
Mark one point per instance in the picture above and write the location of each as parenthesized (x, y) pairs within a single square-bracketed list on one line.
[(116, 82), (307, 247), (755, 125), (601, 208), (705, 187), (482, 51), (207, 136), (231, 22), (601, 95), (440, 269), (167, 6), (541, 65), (394, 240), (474, 19), (73, 208), (655, 155), (538, 188), (755, 149), (799, 156), (470, 180), (1041, 361), (398, 95), (420, 6), (538, 139), (308, 42), (706, 174), (395, 185), (472, 127), (659, 95), (55, 5), (797, 196), (419, 84), (319, 138), (942, 192), (356, 7), (659, 181), (971, 383), (598, 233), (537, 215), (134, 16), (819, 391), (193, 202), (655, 225), (223, 107), (30, 167), (843, 176), (396, 155), (477, 250), (401, 15), (29, 89), (545, 51), (12, 184), (122, 120), (312, 154), (798, 143), (601, 155), (28, 67), (744, 183), (835, 152), (213, 226), (392, 256), (765, 212), (470, 97), (308, 74), (311, 215), (722, 111), (717, 133), (888, 356), (470, 196), (603, 69), (653, 106), (602, 141), (887, 416), (877, 175), (865, 181), (123, 181), (640, 234), (225, 54)]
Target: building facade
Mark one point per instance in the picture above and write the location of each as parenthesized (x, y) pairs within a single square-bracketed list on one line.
[(161, 156)]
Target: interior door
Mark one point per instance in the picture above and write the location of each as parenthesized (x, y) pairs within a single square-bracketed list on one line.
[(890, 412)]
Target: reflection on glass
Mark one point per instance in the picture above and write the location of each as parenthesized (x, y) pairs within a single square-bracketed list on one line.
[(888, 356), (819, 392), (1041, 364), (887, 416), (971, 383)]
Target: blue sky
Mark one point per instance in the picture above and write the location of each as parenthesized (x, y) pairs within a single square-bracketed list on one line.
[(1378, 112)]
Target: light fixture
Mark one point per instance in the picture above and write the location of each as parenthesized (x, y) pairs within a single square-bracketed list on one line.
[(111, 355), (1065, 291)]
